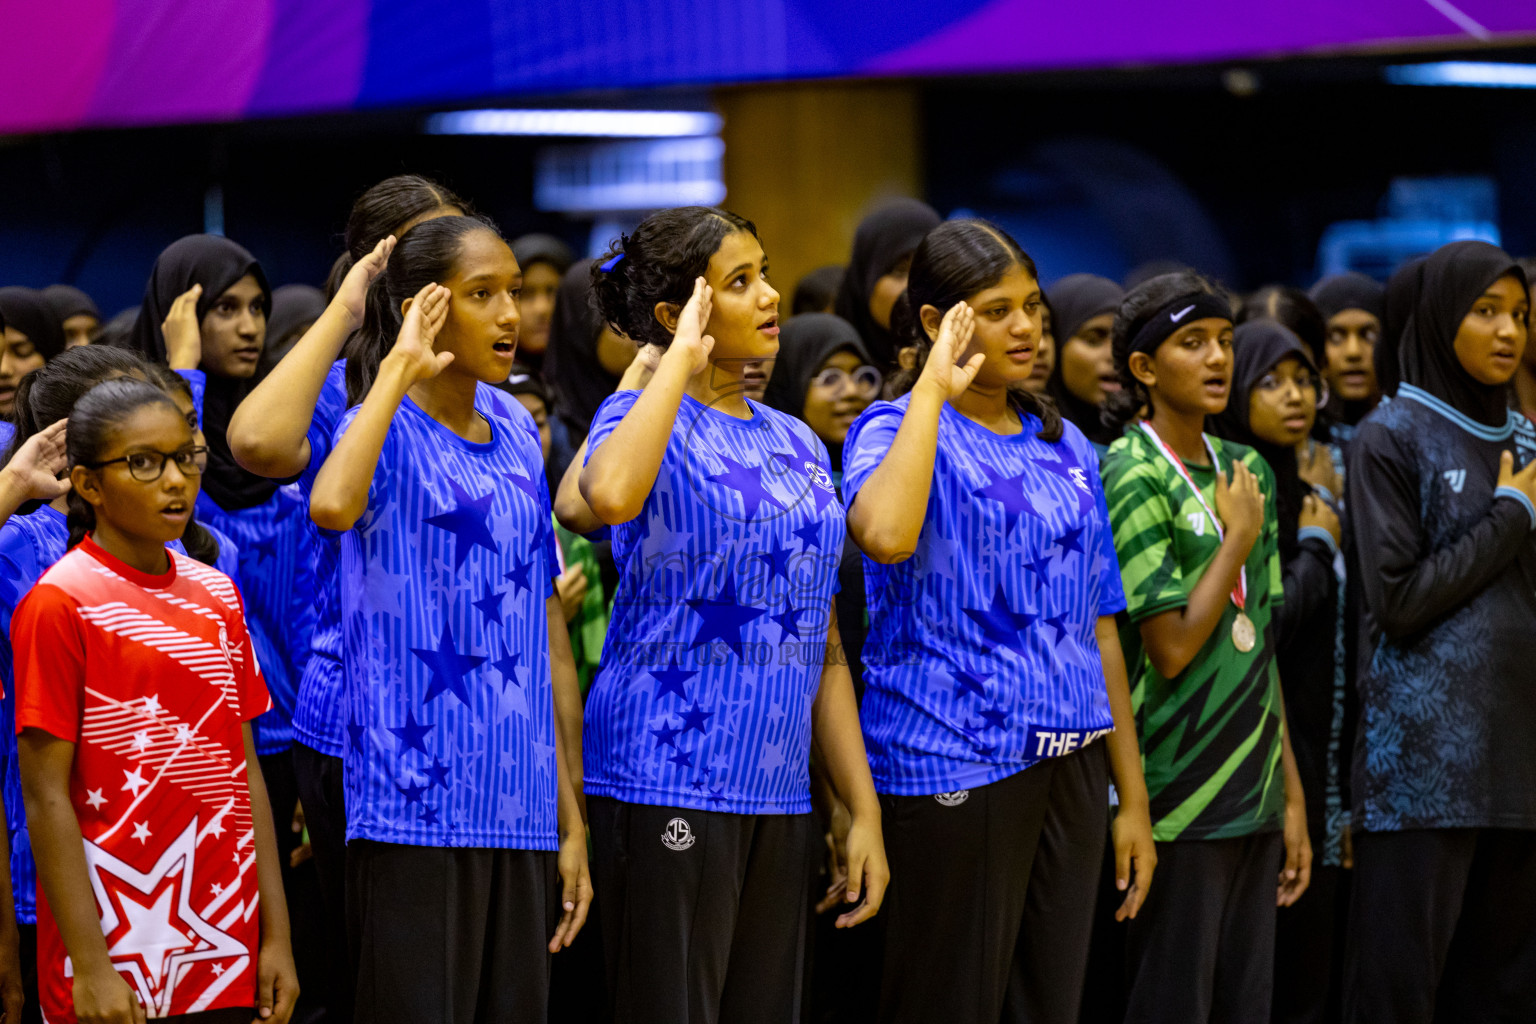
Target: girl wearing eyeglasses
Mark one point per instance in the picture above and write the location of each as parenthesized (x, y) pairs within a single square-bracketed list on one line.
[(136, 685), (1275, 397), (993, 669)]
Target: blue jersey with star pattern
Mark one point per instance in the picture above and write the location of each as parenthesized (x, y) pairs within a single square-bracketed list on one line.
[(981, 658), (716, 640), (445, 645), (29, 545), (317, 721)]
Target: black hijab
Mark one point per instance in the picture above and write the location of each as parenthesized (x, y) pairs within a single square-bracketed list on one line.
[(1353, 290), (805, 342), (1454, 276), (216, 263), (1076, 299), (885, 236), (1397, 303), (27, 311), (571, 368), (295, 308), (68, 301), (1258, 346)]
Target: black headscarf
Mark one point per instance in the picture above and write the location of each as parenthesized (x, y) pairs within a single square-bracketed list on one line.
[(1454, 276), (884, 237), (68, 301), (1258, 346), (1076, 299), (1353, 290), (216, 263), (805, 342), (27, 311), (294, 307), (531, 249), (1398, 301), (571, 368)]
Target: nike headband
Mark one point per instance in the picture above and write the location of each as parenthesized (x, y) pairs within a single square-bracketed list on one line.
[(1185, 309)]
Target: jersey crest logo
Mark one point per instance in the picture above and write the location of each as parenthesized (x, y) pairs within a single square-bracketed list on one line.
[(1196, 522), (819, 476), (1457, 478), (954, 799), (677, 836), (1079, 478)]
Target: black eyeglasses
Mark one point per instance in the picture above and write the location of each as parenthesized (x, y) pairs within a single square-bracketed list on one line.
[(148, 466)]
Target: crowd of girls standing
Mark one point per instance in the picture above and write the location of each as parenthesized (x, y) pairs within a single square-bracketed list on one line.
[(957, 649)]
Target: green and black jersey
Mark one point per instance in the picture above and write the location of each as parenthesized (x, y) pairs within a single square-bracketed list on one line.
[(1210, 736)]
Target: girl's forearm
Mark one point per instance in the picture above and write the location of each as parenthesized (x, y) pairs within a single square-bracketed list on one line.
[(269, 870), (567, 694), (1124, 747), (341, 488), (268, 431), (837, 739), (620, 474), (887, 515)]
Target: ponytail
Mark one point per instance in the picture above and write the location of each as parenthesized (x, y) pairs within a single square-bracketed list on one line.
[(955, 260)]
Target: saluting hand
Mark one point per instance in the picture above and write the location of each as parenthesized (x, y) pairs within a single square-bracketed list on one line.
[(183, 334), (34, 472), (352, 297), (943, 374), (413, 348), (690, 345)]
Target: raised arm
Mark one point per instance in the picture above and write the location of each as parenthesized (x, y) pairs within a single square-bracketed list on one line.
[(887, 515), (620, 474), (570, 507), (341, 489), (33, 475), (268, 434), (1174, 637)]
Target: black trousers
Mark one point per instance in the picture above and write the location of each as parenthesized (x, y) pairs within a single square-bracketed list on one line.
[(704, 913), (1309, 951), (301, 886), (1442, 927), (1201, 950), (318, 778), (451, 936), (992, 894)]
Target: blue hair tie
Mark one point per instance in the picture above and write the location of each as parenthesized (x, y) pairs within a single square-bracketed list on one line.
[(611, 263)]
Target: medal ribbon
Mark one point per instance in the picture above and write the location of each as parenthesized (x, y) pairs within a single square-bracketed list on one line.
[(1240, 592)]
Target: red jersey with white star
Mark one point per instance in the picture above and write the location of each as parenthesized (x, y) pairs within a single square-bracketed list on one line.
[(151, 678)]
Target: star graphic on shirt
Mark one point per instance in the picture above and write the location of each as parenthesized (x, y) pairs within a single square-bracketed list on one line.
[(671, 680), (788, 621), (666, 736), (995, 716), (1000, 625), (355, 732), (412, 791), (772, 757), (141, 740), (448, 667), (141, 831), (519, 575), (411, 733), (778, 560), (808, 461), (1007, 491), (682, 758), (1072, 475), (152, 704), (810, 535), (134, 781), (437, 773), (695, 718), (938, 554), (748, 482), (723, 617), (428, 816), (147, 919), (507, 665), (468, 521), (1070, 541), (969, 682), (94, 798), (381, 586), (527, 485), (489, 603), (1059, 624), (1041, 567)]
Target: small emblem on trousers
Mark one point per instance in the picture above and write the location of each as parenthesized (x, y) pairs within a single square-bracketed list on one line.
[(954, 799), (678, 836)]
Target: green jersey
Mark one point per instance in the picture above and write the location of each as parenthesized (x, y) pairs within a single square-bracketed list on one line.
[(1210, 736)]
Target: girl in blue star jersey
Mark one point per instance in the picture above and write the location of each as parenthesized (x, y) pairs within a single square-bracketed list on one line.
[(458, 794), (720, 674), (992, 666)]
